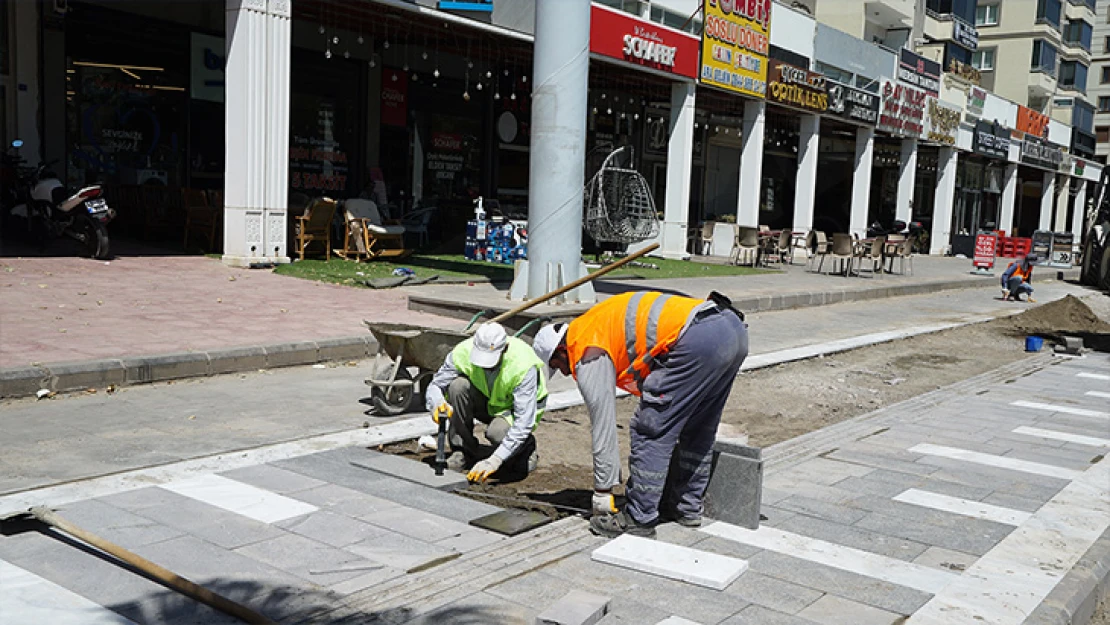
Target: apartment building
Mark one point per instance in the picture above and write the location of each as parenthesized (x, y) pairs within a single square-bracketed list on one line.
[(1099, 81)]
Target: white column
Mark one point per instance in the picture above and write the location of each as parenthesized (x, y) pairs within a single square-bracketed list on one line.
[(1048, 198), (907, 175), (1062, 194), (1009, 197), (861, 181), (751, 163), (939, 237), (1079, 213), (805, 184), (256, 133), (680, 156)]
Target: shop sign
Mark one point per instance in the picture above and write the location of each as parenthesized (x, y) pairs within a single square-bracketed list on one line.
[(734, 44), (1031, 122), (976, 100), (985, 248), (620, 36), (903, 109), (1080, 167), (395, 88), (942, 120), (853, 104), (918, 71), (206, 72), (1040, 153), (965, 71), (796, 87), (991, 140), (481, 6), (965, 34)]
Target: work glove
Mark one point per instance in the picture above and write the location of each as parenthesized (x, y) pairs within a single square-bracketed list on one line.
[(481, 471), (444, 409), (603, 503)]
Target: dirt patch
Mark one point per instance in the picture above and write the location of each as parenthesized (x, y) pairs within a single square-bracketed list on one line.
[(779, 403)]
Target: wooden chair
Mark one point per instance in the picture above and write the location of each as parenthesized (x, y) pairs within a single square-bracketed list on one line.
[(201, 217), (315, 225), (746, 244), (367, 235)]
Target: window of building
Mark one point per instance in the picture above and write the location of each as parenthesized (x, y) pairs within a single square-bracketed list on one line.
[(1079, 33), (1105, 75), (1106, 46), (1102, 134), (1073, 75), (1104, 104), (1048, 11), (1083, 116), (1044, 57), (983, 59), (673, 19), (835, 73), (986, 15), (955, 52), (960, 8)]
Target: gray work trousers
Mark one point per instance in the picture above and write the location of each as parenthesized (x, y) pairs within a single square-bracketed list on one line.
[(680, 408), (470, 405)]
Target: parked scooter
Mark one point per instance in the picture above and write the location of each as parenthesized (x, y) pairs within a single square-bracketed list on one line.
[(914, 230), (48, 210)]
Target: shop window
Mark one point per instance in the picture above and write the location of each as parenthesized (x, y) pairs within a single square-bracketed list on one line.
[(1079, 33), (986, 15), (1104, 104), (1044, 57), (1048, 12), (1073, 75), (983, 59)]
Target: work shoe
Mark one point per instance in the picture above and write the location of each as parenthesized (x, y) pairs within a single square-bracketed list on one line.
[(688, 521), (613, 525), (1031, 300), (457, 461)]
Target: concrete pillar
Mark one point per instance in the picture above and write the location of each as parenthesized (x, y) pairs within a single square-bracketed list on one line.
[(751, 163), (939, 238), (1079, 213), (1062, 196), (680, 156), (907, 174), (256, 112), (805, 184), (560, 68), (861, 181), (1048, 198), (1009, 197), (25, 66)]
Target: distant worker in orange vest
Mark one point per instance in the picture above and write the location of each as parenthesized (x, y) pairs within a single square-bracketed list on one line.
[(1016, 279), (680, 356)]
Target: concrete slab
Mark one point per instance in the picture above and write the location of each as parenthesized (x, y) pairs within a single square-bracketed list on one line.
[(407, 469), (310, 560), (511, 522), (575, 608), (945, 559), (417, 524), (677, 620), (331, 529), (220, 527), (273, 479), (833, 610), (28, 598), (400, 551), (249, 501), (775, 594), (696, 567), (759, 615)]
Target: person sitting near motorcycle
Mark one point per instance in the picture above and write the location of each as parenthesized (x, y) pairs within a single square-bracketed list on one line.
[(1017, 278), (495, 379)]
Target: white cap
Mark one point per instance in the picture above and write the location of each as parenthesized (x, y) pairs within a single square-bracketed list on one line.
[(547, 339), (489, 341)]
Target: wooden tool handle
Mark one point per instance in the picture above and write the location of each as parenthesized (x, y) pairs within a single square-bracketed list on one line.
[(163, 575), (573, 285)]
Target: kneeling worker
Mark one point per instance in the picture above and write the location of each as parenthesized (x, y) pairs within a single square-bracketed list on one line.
[(681, 356), (495, 379)]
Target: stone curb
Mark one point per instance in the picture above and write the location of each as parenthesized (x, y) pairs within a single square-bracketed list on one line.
[(77, 376), (1076, 597)]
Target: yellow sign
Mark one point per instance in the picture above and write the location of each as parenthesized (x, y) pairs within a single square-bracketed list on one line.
[(734, 45)]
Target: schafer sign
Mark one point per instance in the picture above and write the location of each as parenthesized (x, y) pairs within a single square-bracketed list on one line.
[(903, 110), (617, 35), (796, 87), (734, 45)]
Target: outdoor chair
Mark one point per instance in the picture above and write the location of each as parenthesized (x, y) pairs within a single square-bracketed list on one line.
[(201, 217), (785, 248), (315, 225), (871, 254), (707, 237), (818, 247), (842, 250), (367, 235), (746, 243), (902, 253), (416, 223)]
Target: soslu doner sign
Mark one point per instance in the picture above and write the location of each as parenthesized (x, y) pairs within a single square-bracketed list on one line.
[(734, 45)]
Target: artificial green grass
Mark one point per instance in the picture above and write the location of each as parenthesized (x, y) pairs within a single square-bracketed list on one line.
[(455, 267)]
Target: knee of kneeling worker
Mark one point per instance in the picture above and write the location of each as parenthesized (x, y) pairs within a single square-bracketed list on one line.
[(497, 429), (458, 389)]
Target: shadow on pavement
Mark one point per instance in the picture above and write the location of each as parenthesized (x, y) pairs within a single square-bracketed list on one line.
[(121, 246)]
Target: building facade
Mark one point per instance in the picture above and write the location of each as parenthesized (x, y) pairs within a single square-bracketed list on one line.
[(1099, 81)]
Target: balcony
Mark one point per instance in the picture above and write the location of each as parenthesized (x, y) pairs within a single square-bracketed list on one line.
[(1041, 84), (1080, 10), (890, 13)]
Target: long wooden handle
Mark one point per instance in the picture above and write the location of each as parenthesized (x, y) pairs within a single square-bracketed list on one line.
[(573, 285), (163, 575)]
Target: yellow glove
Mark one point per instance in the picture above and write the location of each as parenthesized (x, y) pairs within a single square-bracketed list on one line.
[(443, 409), (603, 503), (485, 468)]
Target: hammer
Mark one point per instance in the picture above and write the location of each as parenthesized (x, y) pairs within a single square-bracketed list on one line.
[(172, 580)]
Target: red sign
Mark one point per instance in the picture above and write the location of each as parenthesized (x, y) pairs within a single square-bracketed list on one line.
[(985, 246), (1031, 122), (395, 89), (621, 36)]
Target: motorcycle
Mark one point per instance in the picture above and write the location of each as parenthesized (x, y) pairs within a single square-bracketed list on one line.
[(914, 230), (50, 211)]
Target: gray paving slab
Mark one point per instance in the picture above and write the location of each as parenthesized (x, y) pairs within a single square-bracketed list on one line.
[(417, 524), (577, 607), (976, 472), (833, 610), (408, 469), (759, 615), (725, 547), (873, 592), (536, 590), (878, 458), (775, 594), (958, 533), (773, 516), (1078, 461), (862, 538), (141, 498), (273, 479), (479, 607), (308, 559), (1015, 502), (330, 528), (400, 551), (996, 482), (116, 524), (945, 559), (837, 513), (676, 534), (215, 525), (345, 501), (447, 505), (470, 540)]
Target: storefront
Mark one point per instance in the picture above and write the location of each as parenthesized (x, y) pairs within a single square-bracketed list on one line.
[(1037, 178), (979, 184), (849, 109), (795, 91)]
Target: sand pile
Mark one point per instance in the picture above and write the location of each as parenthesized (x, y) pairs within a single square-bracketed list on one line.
[(1065, 316)]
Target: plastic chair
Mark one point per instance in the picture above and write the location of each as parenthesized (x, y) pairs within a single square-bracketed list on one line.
[(842, 249), (746, 243), (872, 253), (818, 247), (707, 237)]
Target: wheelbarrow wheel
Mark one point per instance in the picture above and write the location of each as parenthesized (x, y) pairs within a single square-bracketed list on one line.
[(394, 400)]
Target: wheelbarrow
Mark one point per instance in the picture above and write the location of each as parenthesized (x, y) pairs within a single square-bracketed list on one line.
[(403, 347)]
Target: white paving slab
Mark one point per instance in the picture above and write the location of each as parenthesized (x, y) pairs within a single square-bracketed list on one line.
[(1099, 394), (965, 507), (992, 460), (840, 557), (1063, 436), (672, 561), (28, 598), (249, 501), (1079, 412), (1029, 562), (677, 620), (1093, 376)]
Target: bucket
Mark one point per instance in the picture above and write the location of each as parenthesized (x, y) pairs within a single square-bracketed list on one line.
[(1033, 343)]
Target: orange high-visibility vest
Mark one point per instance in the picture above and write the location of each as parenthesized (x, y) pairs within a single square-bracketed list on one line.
[(633, 329)]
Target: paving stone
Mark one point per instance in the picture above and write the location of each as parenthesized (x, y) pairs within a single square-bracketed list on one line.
[(273, 479), (874, 592), (725, 547), (960, 533), (945, 559), (308, 559), (410, 470), (333, 467), (625, 611), (536, 589), (735, 485), (479, 607), (935, 483), (399, 551), (676, 534), (1015, 502), (138, 499), (345, 501), (830, 512), (772, 593), (116, 524), (821, 471), (577, 607), (852, 536), (772, 516), (439, 503), (1014, 483), (759, 615), (1079, 461), (470, 540), (865, 486), (512, 521), (676, 620), (215, 525), (882, 459), (368, 579), (331, 529), (417, 524), (672, 561), (833, 610)]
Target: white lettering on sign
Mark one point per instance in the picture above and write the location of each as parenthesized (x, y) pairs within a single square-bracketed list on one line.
[(651, 51)]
